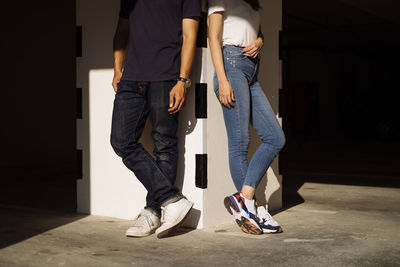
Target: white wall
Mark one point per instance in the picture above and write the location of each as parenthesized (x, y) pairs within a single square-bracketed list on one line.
[(108, 188)]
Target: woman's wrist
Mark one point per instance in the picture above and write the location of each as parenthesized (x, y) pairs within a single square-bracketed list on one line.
[(259, 42), (222, 80)]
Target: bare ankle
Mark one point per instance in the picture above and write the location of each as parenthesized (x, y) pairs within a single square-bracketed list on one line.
[(248, 192)]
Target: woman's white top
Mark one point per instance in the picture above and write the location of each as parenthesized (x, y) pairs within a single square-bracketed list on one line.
[(241, 21)]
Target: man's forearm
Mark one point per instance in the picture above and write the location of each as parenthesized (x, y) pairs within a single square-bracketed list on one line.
[(119, 58), (188, 48), (120, 44)]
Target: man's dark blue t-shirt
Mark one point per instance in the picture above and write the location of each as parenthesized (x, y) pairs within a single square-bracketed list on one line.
[(155, 37)]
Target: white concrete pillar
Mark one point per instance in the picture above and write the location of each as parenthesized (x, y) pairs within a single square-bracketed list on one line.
[(108, 188)]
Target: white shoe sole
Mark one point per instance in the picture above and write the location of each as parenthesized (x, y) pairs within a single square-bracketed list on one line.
[(137, 234), (269, 231), (167, 231)]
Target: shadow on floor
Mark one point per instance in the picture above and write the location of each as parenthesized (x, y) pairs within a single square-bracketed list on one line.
[(293, 182), (18, 224)]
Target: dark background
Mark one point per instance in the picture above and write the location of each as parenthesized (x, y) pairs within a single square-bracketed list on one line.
[(38, 104), (341, 90)]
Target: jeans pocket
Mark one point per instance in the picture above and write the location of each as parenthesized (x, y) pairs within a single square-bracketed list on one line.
[(120, 86), (236, 54)]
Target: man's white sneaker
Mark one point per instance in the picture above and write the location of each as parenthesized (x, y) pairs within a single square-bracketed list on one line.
[(172, 216), (144, 224), (267, 223)]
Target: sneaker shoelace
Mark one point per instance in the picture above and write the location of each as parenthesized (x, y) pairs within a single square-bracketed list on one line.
[(165, 215), (265, 216), (142, 220)]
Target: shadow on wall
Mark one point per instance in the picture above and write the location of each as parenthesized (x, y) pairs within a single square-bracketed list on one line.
[(269, 190)]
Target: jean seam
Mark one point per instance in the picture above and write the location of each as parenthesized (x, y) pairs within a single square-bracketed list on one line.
[(158, 169), (263, 167), (137, 123), (237, 115), (254, 74), (269, 150), (269, 127), (240, 142), (146, 153)]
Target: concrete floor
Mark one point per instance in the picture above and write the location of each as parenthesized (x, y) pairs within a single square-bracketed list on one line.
[(336, 226)]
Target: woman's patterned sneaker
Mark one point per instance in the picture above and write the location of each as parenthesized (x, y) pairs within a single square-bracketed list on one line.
[(267, 223), (244, 212)]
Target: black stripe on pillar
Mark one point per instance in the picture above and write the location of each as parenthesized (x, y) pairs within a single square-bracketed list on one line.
[(281, 103), (79, 103), (202, 33), (79, 164), (78, 41), (280, 44), (201, 171), (201, 101)]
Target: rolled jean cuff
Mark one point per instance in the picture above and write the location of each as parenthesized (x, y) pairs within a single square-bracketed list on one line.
[(154, 211), (250, 185), (172, 199)]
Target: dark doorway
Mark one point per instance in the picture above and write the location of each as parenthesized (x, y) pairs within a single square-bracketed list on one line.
[(340, 97), (38, 105)]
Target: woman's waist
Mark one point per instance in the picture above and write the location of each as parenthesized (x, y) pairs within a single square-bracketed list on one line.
[(231, 52)]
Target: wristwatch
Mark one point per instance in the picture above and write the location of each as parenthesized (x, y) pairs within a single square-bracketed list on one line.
[(187, 81)]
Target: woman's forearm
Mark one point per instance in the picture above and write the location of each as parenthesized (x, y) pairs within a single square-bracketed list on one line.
[(217, 58), (215, 40)]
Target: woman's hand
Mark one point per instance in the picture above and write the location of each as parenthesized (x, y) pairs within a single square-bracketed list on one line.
[(226, 95), (253, 49)]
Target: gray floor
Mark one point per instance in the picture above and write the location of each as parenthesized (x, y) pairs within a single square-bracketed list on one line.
[(336, 226)]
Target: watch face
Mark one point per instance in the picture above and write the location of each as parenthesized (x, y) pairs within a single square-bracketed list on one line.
[(188, 82)]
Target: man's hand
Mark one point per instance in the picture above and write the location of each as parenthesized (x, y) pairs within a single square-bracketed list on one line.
[(116, 80), (253, 49), (177, 97), (226, 95)]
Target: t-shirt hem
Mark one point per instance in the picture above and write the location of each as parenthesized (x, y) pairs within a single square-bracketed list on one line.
[(147, 79), (210, 12), (197, 16)]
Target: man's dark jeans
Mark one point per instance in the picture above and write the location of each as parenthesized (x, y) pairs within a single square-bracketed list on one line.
[(133, 103)]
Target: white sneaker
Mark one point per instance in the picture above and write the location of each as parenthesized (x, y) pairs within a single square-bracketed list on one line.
[(144, 224), (172, 216), (267, 223)]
